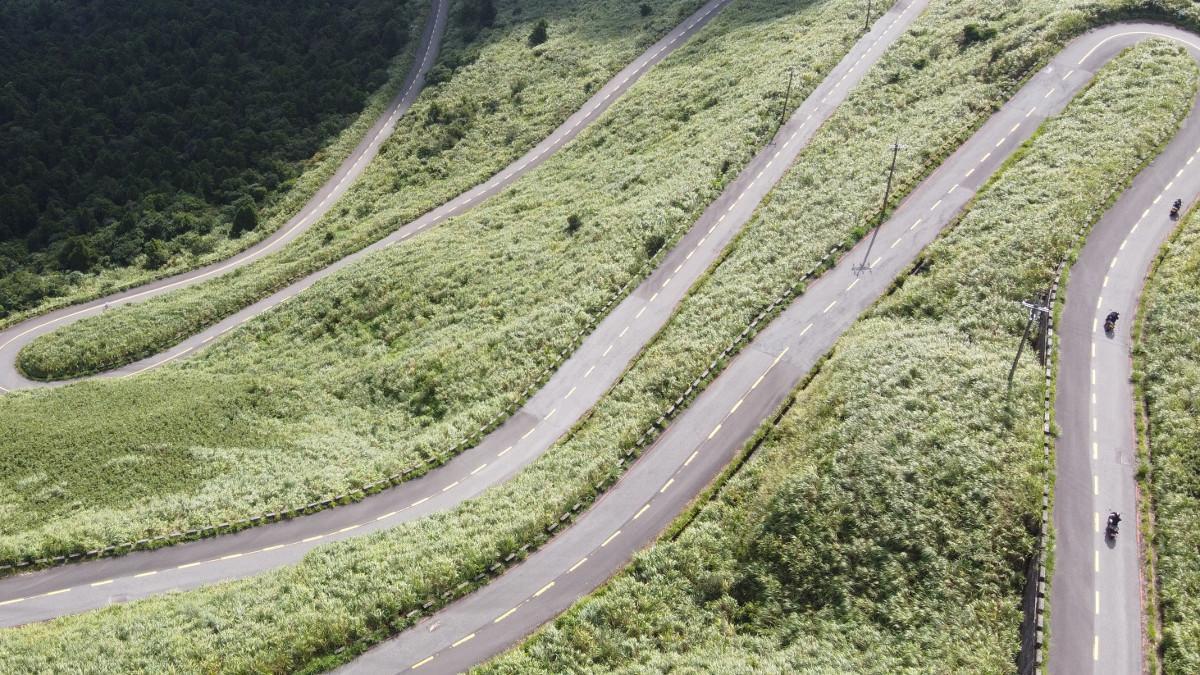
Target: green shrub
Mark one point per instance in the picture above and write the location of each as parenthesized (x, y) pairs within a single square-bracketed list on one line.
[(538, 35)]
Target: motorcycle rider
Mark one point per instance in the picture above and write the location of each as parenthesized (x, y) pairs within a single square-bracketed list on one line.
[(1114, 522), (1111, 320)]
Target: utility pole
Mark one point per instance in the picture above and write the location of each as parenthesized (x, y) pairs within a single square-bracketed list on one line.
[(887, 193), (1036, 309), (787, 98), (868, 26)]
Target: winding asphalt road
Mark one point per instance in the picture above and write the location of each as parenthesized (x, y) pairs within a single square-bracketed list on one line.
[(574, 388), (1096, 600), (693, 450), (13, 338)]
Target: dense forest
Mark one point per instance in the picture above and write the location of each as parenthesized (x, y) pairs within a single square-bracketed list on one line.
[(134, 131)]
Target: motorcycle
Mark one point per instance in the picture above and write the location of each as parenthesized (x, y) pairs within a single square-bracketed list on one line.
[(1175, 209), (1113, 526), (1110, 322)]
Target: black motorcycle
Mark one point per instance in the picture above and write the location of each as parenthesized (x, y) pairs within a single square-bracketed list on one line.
[(1110, 322), (1175, 209), (1114, 525)]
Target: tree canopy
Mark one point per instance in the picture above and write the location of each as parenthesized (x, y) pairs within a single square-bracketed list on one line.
[(124, 123)]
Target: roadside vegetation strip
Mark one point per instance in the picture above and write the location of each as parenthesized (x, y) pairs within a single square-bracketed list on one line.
[(1167, 359), (491, 98), (898, 494), (356, 592), (375, 371), (206, 237)]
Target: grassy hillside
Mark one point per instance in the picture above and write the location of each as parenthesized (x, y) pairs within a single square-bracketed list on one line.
[(488, 101), (355, 593), (134, 133), (397, 359), (1168, 363), (881, 527)]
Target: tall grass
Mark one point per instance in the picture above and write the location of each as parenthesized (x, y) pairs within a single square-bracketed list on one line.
[(882, 526), (353, 593), (488, 101), (397, 358), (1168, 361)]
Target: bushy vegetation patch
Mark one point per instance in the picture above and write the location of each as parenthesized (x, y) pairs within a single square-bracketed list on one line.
[(133, 132), (1168, 361), (885, 523), (395, 360), (487, 102), (354, 593)]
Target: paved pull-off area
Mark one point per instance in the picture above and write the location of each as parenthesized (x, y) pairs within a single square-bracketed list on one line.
[(701, 442)]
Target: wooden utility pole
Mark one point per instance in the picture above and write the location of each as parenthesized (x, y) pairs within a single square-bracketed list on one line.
[(787, 98), (887, 193), (1036, 309)]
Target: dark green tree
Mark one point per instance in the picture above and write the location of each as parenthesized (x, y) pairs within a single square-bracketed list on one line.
[(157, 254), (573, 223), (539, 34), (245, 217), (77, 254)]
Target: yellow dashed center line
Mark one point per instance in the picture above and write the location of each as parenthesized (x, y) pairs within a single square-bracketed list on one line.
[(641, 511), (454, 484), (422, 662), (576, 565), (691, 457), (504, 615), (543, 589), (103, 583), (462, 640), (610, 538), (139, 576), (479, 468), (714, 432)]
